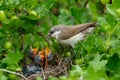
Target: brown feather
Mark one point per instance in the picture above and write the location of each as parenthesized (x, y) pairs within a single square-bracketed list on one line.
[(73, 30)]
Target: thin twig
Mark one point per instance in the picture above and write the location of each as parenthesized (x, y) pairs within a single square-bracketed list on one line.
[(43, 73), (61, 70), (82, 65), (11, 72), (109, 36), (86, 2)]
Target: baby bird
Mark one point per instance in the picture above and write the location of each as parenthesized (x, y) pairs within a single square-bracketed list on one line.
[(32, 52), (39, 58), (43, 57), (48, 56)]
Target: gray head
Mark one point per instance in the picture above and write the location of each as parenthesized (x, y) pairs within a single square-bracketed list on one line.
[(55, 32)]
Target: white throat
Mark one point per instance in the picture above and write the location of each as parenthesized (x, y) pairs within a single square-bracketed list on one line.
[(56, 34)]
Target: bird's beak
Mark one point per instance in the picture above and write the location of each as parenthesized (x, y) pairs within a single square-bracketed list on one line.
[(48, 36)]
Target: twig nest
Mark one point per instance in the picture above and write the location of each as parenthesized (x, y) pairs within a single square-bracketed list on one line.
[(56, 68)]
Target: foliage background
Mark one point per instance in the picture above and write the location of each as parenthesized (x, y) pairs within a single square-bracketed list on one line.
[(98, 56)]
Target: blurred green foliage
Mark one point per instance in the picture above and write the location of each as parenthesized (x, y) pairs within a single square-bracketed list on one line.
[(25, 23)]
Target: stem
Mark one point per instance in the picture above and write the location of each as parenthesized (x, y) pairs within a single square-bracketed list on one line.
[(21, 40), (108, 39), (11, 72), (86, 2), (43, 73)]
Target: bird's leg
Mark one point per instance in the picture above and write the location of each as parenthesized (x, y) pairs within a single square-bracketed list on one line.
[(73, 54), (62, 49)]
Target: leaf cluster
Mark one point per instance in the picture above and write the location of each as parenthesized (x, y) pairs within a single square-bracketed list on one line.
[(25, 23)]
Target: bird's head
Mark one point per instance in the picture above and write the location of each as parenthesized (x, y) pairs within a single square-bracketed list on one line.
[(55, 32), (32, 52)]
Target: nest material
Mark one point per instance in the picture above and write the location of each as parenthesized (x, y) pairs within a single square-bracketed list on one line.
[(58, 68)]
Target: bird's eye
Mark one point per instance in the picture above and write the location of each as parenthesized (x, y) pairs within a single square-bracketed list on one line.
[(51, 32)]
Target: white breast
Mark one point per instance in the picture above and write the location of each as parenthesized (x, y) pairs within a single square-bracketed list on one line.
[(73, 40)]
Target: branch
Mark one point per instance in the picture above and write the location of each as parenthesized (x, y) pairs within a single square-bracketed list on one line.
[(11, 72), (86, 2), (43, 73)]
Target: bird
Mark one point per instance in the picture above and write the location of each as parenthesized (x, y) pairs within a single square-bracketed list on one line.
[(32, 52), (40, 58), (31, 69), (70, 35), (43, 58), (48, 56)]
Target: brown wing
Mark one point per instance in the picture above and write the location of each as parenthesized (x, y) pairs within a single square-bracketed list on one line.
[(73, 30)]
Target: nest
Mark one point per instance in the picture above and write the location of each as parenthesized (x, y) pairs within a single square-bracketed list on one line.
[(57, 68)]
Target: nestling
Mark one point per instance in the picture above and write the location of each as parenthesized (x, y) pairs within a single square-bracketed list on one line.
[(32, 52), (43, 58), (70, 35), (48, 56), (39, 58)]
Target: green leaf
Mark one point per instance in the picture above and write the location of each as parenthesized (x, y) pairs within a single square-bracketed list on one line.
[(80, 14), (64, 78), (52, 78), (3, 77), (39, 78), (76, 72), (102, 21), (96, 64), (111, 11), (96, 69), (93, 75), (66, 20), (113, 64), (105, 25), (93, 10), (116, 4), (12, 59), (29, 39)]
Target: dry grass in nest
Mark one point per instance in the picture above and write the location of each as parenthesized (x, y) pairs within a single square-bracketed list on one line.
[(57, 68)]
